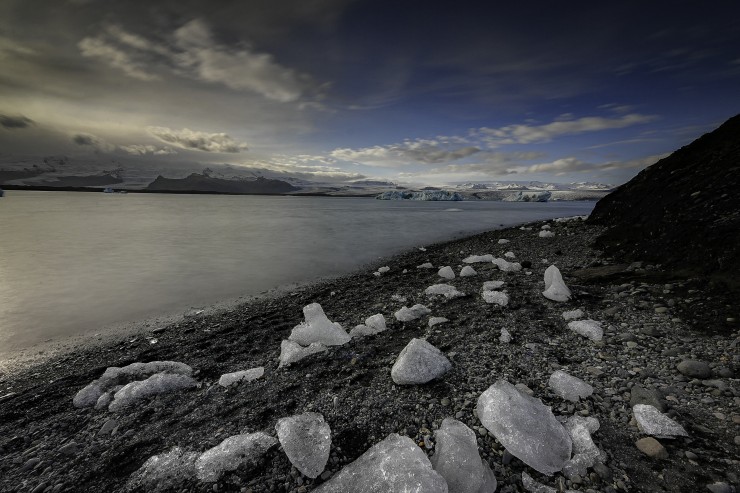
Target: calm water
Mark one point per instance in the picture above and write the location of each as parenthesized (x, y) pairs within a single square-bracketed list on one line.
[(76, 263)]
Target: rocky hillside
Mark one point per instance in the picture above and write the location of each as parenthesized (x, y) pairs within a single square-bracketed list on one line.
[(204, 183), (682, 211)]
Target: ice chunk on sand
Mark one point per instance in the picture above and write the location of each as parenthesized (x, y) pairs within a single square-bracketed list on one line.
[(373, 325), (436, 321), (384, 269), (425, 265), (545, 226), (467, 271), (456, 457), (535, 487), (104, 400), (290, 351), (587, 328), (652, 422), (585, 451), (159, 383), (489, 479), (573, 314), (395, 464), (228, 379), (408, 314), (445, 290), (569, 387), (496, 298), (306, 440), (231, 453), (509, 255), (525, 426), (474, 259), (505, 336), (165, 472), (419, 362), (507, 266), (446, 272), (546, 234), (503, 241), (318, 328), (492, 285), (555, 288)]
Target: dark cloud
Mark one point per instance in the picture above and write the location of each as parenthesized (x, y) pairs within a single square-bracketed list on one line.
[(85, 140), (12, 122)]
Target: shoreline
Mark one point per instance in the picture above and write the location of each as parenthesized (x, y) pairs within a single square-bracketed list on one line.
[(39, 418)]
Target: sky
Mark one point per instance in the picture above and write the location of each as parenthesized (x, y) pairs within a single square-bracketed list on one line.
[(337, 90)]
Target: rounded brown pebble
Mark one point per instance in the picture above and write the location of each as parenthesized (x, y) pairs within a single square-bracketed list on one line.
[(652, 448)]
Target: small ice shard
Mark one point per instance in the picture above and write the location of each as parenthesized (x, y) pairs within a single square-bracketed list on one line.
[(373, 325), (525, 426), (585, 451), (505, 336), (408, 314), (474, 259), (160, 383), (231, 453), (495, 298), (492, 285), (467, 271), (436, 321), (445, 290), (290, 351), (395, 464), (166, 471), (546, 234), (399, 298), (652, 422), (489, 479), (384, 269), (104, 400), (446, 272), (422, 249), (535, 487), (509, 255), (555, 288), (573, 314), (228, 379), (419, 362), (545, 226), (507, 266), (503, 241), (306, 440), (587, 328), (318, 328), (569, 387), (425, 265), (456, 457)]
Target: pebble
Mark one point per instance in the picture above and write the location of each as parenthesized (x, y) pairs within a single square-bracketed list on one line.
[(69, 449), (652, 448), (445, 402), (30, 464), (661, 309), (642, 395)]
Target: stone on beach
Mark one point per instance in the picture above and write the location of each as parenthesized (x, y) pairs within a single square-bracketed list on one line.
[(406, 314), (525, 426), (445, 290), (373, 325), (456, 457), (418, 363), (495, 298), (492, 285), (467, 271), (474, 259), (306, 440), (232, 453), (166, 471), (290, 351), (694, 368), (228, 379), (587, 328), (652, 422), (394, 464), (569, 387), (446, 272), (555, 288), (318, 328), (573, 314), (160, 383), (506, 266)]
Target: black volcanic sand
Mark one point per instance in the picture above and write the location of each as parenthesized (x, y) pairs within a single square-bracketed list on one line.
[(652, 323)]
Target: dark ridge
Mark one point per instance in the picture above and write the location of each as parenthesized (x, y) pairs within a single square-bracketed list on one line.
[(201, 183)]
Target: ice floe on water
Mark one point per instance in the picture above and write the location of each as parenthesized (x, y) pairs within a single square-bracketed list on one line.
[(467, 271), (569, 387), (291, 351), (159, 383), (587, 328), (232, 453), (506, 266), (306, 440), (419, 362), (652, 422), (445, 290), (228, 379), (475, 259), (555, 288), (318, 328), (457, 459), (373, 325), (406, 314), (446, 272), (495, 298)]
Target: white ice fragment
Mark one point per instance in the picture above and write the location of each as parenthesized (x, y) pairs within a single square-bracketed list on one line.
[(505, 336), (546, 226), (492, 285), (535, 487), (89, 395), (467, 271), (489, 479), (395, 464), (585, 451), (373, 325), (376, 274), (166, 471), (495, 298), (525, 426), (474, 259), (445, 290), (104, 400), (446, 272), (456, 457), (228, 379), (652, 422), (231, 453), (503, 241), (569, 387), (408, 314), (160, 383), (306, 440), (318, 328), (587, 328), (290, 351), (555, 288), (419, 362), (509, 255), (573, 314), (425, 265), (384, 269), (422, 249), (507, 266), (398, 298), (436, 321), (546, 234)]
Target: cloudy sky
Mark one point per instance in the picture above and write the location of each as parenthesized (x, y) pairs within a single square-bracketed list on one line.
[(415, 92)]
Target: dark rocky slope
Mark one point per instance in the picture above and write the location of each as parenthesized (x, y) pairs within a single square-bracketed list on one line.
[(682, 211)]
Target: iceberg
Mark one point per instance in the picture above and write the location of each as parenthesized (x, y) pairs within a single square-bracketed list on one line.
[(418, 363), (423, 195), (569, 387), (446, 272), (318, 328), (231, 453), (306, 440), (587, 328), (529, 196), (456, 457), (408, 314), (555, 288), (290, 351), (445, 290), (373, 325), (228, 379), (159, 383)]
